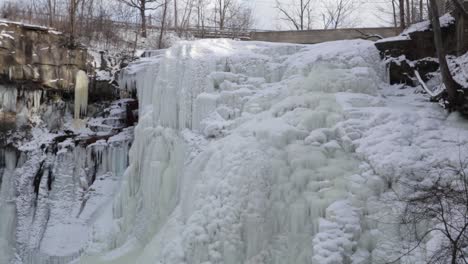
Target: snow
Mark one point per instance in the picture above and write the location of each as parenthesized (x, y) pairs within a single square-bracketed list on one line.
[(445, 21), (458, 66), (6, 23), (251, 152), (393, 39)]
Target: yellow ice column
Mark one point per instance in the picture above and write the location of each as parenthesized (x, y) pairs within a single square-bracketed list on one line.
[(81, 94)]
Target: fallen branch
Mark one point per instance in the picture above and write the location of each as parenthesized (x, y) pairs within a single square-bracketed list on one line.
[(368, 36), (434, 97)]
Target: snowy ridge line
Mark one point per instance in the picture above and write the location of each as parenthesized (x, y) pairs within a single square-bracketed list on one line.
[(5, 22)]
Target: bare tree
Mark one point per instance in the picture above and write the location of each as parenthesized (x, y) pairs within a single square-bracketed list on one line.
[(143, 6), (441, 200), (338, 13), (222, 9), (421, 10), (240, 20), (401, 5), (298, 13), (450, 85), (201, 16), (52, 8), (408, 12), (163, 23), (186, 17), (175, 15), (394, 13), (73, 8)]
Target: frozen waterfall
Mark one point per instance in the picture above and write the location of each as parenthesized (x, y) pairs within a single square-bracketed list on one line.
[(7, 204), (240, 157), (251, 152)]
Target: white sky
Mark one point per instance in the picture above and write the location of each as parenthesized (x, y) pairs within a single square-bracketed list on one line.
[(267, 17)]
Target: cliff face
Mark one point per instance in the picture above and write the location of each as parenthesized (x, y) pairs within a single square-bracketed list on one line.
[(37, 56), (37, 70), (60, 157)]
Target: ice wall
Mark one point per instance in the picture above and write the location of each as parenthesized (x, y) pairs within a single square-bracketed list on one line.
[(8, 159), (55, 180), (240, 157)]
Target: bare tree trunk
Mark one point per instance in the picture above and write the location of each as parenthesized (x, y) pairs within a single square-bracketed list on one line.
[(447, 78), (143, 18), (163, 22), (402, 14), (302, 15), (175, 15), (421, 10), (221, 14), (73, 4), (454, 255), (408, 13), (395, 23), (51, 7)]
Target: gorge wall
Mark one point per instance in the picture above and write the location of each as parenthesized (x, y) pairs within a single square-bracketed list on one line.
[(56, 171), (38, 55)]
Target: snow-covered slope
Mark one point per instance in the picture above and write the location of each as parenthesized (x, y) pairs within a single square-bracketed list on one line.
[(249, 152)]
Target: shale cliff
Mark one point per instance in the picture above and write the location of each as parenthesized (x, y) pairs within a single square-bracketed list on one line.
[(38, 56)]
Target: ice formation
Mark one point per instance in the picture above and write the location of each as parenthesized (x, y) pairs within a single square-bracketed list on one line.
[(268, 153), (53, 184), (8, 99), (240, 156), (7, 205), (81, 94), (245, 152)]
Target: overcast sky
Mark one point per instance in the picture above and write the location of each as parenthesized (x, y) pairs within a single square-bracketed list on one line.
[(267, 16)]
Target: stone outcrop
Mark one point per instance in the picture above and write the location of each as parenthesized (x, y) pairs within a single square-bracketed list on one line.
[(38, 56), (417, 41), (414, 49)]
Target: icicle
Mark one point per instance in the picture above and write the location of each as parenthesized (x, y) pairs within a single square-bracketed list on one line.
[(37, 99), (8, 99), (81, 94)]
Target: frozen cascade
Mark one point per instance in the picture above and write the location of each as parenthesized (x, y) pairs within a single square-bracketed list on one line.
[(7, 204), (240, 157), (55, 180), (8, 97), (71, 183), (81, 94)]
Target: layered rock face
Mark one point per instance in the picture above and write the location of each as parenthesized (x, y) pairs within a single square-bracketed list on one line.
[(38, 55), (36, 66)]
